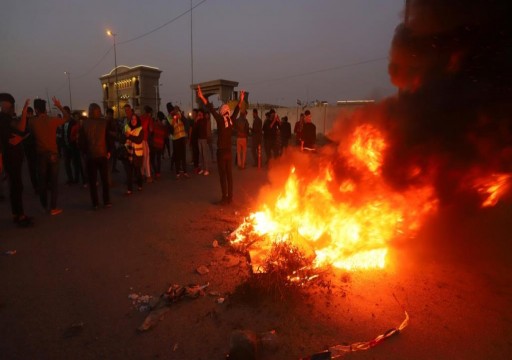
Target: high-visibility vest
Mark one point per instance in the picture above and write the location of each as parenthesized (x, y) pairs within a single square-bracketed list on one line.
[(133, 148)]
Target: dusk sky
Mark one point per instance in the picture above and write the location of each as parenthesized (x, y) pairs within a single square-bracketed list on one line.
[(278, 51)]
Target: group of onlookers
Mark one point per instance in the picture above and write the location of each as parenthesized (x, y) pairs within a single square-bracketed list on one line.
[(95, 145), (276, 134)]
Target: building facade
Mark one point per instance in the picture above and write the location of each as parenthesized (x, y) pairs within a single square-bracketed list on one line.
[(137, 86)]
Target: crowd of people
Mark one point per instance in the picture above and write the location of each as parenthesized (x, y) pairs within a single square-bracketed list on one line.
[(97, 143)]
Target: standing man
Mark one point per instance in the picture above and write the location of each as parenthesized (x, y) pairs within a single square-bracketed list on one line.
[(257, 134), (29, 145), (96, 143), (44, 129), (11, 155), (179, 143), (297, 130), (146, 120), (193, 140), (308, 133), (224, 156), (204, 149), (242, 131), (286, 134)]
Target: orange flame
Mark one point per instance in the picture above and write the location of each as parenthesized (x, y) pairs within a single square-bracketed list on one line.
[(343, 222), (492, 188)]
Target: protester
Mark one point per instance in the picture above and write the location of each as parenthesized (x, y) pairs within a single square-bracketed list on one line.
[(204, 149), (72, 161), (179, 143), (167, 140), (242, 131), (257, 134), (113, 136), (309, 133), (29, 145), (160, 133), (286, 134), (275, 130), (267, 138), (11, 155), (134, 136), (224, 156), (170, 115), (116, 129), (95, 142), (210, 134), (271, 131), (193, 140), (297, 130), (44, 129), (147, 126)]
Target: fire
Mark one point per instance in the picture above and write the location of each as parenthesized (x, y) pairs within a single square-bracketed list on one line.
[(368, 146), (492, 188), (346, 221)]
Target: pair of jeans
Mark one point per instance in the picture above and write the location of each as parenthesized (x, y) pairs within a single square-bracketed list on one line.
[(48, 170), (204, 154), (256, 142), (156, 160), (93, 166), (241, 151), (180, 154), (73, 163), (224, 159), (133, 168)]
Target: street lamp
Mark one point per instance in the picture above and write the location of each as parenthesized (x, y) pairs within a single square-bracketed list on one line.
[(69, 87), (110, 33), (157, 107)]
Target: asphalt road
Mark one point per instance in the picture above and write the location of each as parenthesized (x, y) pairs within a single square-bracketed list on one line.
[(64, 293)]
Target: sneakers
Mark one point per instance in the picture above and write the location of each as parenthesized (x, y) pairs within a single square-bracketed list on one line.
[(128, 193), (200, 172), (186, 175), (55, 212), (139, 188), (206, 173)]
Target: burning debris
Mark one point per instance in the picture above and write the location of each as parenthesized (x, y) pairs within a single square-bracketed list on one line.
[(445, 137), (344, 216)]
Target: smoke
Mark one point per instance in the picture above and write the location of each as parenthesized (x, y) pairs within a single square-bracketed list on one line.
[(452, 63)]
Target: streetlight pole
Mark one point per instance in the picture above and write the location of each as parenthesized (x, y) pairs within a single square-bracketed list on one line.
[(116, 85), (191, 59), (69, 88)]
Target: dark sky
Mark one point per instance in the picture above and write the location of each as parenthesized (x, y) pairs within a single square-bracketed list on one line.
[(278, 51)]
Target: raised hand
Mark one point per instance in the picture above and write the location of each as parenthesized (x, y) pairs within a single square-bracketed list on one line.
[(56, 102), (200, 94)]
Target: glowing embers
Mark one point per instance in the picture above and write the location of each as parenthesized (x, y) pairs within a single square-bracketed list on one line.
[(333, 217)]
